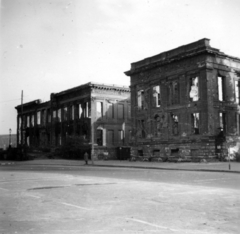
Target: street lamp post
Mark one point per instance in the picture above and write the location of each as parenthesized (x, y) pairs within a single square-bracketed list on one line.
[(10, 130)]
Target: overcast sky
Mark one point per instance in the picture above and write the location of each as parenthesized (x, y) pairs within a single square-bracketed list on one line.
[(52, 45)]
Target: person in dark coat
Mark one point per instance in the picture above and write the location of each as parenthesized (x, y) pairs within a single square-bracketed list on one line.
[(86, 158)]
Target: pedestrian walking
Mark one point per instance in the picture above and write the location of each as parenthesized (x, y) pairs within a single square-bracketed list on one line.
[(86, 158)]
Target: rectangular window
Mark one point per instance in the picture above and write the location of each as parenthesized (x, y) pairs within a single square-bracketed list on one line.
[(38, 117), (174, 124), (44, 117), (80, 111), (222, 121), (120, 111), (110, 137), (32, 120), (54, 115), (48, 115), (195, 123), (156, 96), (221, 91), (100, 137), (65, 113), (72, 112), (238, 123), (237, 91), (175, 92), (129, 111), (110, 111), (19, 122), (59, 115), (120, 137), (143, 129), (194, 90), (99, 109), (140, 97), (28, 121)]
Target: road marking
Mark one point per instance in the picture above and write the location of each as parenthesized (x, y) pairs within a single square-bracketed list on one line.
[(32, 196), (4, 189), (154, 225), (67, 204)]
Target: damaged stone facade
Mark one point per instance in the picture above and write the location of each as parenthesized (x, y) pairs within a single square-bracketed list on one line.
[(185, 104), (98, 110)]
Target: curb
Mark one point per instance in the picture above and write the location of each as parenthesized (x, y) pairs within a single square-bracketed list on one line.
[(5, 164), (136, 167)]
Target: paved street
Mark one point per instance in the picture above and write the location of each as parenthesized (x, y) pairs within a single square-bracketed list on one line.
[(89, 199)]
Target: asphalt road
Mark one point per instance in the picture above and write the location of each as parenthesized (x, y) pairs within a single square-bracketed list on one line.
[(85, 199)]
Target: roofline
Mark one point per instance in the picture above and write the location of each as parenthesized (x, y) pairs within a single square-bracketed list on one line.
[(94, 85), (188, 50)]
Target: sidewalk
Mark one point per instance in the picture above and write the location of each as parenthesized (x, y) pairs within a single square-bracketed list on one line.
[(211, 166)]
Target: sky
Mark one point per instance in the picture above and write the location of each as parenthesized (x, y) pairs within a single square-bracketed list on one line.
[(47, 46)]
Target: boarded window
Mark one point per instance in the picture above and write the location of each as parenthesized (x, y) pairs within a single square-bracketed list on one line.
[(19, 122), (120, 113), (195, 123), (194, 89), (110, 137), (100, 137), (99, 109), (156, 96)]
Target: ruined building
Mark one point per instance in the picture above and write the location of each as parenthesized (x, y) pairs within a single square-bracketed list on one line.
[(97, 113), (185, 104)]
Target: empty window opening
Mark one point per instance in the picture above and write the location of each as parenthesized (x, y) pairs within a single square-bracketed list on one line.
[(174, 152), (110, 111), (59, 115), (28, 121), (120, 137), (72, 112), (65, 113), (38, 117), (140, 96), (99, 109), (140, 152), (120, 113), (195, 123), (194, 90), (175, 93), (174, 124), (237, 92), (100, 137), (156, 96), (222, 121), (221, 90), (156, 153)]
